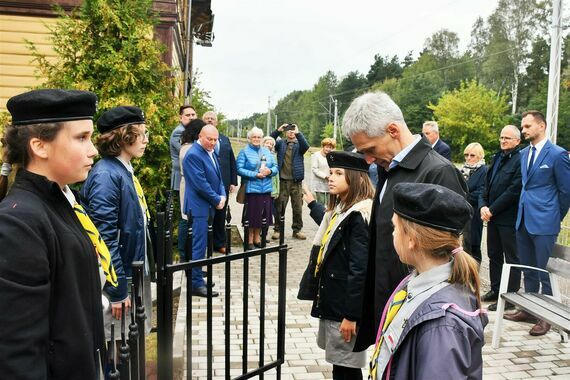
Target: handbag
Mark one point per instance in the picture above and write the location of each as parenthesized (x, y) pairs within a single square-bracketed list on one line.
[(309, 284), (240, 197)]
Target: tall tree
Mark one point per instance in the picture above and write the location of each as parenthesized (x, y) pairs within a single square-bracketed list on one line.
[(384, 68), (107, 47), (349, 88), (473, 113)]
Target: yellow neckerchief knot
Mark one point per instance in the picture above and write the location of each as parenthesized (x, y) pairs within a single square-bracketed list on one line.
[(395, 306), (98, 243), (324, 242)]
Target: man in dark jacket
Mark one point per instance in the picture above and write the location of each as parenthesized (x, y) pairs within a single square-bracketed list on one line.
[(430, 130), (377, 128), (290, 153), (499, 206), (228, 169)]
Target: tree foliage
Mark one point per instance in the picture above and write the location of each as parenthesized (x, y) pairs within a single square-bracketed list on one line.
[(107, 46), (472, 113)]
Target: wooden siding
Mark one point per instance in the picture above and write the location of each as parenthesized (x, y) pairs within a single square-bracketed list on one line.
[(17, 71)]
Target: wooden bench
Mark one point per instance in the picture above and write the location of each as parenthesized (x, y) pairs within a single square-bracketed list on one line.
[(547, 308)]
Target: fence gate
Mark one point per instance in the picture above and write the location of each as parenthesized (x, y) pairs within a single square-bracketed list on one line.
[(164, 281)]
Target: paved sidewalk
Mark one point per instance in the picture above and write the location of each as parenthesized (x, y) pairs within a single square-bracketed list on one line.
[(520, 356)]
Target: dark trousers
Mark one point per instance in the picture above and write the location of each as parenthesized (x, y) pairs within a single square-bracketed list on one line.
[(182, 237), (502, 248), (476, 235), (199, 245), (219, 226), (346, 373), (290, 189), (535, 250)]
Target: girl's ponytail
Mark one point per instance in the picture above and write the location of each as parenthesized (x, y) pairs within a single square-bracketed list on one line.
[(466, 272)]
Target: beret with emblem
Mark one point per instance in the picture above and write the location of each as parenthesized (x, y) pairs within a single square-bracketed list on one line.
[(347, 160), (120, 117), (432, 206), (52, 105)]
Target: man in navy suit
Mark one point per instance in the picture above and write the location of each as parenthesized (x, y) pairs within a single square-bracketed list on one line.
[(228, 168), (498, 207), (205, 193), (430, 130), (543, 203)]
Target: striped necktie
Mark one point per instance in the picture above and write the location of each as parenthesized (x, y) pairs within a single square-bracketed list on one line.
[(323, 242), (98, 243), (395, 306), (141, 197)]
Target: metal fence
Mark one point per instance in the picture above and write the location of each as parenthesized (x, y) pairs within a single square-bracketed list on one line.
[(165, 271)]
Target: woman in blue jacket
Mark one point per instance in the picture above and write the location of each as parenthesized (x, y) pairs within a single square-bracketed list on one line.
[(115, 202), (256, 165)]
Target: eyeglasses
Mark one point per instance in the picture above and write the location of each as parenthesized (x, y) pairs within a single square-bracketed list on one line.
[(506, 138), (469, 155), (144, 135)]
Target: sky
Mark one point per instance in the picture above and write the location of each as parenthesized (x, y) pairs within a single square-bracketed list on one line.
[(268, 48)]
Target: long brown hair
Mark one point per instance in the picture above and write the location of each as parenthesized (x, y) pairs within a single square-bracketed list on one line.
[(438, 243), (359, 188)]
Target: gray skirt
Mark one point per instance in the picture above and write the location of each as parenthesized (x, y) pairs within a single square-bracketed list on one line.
[(337, 351)]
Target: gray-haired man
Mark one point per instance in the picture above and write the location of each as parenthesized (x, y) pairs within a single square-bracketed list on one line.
[(377, 128)]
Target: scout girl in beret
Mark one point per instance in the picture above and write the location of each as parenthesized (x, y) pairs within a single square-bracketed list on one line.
[(115, 202), (432, 326), (342, 245), (51, 324)]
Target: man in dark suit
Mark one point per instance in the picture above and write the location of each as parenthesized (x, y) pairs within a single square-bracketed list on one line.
[(499, 204), (377, 128), (205, 193), (228, 168), (430, 130), (543, 204)]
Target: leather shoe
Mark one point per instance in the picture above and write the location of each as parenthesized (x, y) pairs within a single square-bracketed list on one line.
[(204, 273), (508, 306), (539, 329), (257, 245), (299, 235), (203, 292), (490, 296), (520, 316), (222, 250)]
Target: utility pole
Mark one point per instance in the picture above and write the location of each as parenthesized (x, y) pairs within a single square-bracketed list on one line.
[(554, 71), (188, 58), (268, 126), (335, 122)]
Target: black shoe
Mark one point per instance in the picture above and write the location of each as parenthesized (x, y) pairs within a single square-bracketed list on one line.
[(203, 292), (490, 296), (204, 273), (258, 245), (508, 306)]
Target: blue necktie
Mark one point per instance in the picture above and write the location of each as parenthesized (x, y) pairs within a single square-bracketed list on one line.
[(531, 162)]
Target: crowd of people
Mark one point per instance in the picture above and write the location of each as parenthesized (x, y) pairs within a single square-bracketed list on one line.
[(394, 262)]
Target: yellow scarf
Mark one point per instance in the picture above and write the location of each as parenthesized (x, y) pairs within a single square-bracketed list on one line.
[(98, 243), (324, 241), (395, 306), (141, 197)]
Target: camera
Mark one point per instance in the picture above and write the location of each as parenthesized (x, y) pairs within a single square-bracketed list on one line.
[(289, 127)]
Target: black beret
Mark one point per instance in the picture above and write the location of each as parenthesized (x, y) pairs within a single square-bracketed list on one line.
[(52, 105), (432, 206), (347, 160), (119, 117)]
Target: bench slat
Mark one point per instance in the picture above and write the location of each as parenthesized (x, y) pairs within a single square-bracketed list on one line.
[(548, 304), (533, 305), (559, 267), (553, 303)]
